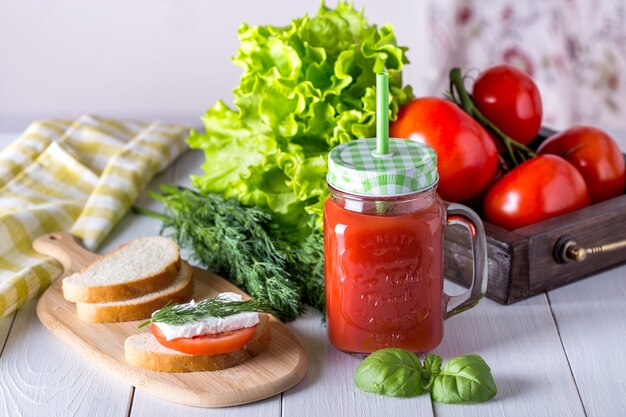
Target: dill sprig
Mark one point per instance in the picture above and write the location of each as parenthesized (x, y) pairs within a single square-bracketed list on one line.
[(242, 244), (306, 263), (179, 314)]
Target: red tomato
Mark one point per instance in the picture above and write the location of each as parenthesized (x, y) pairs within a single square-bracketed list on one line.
[(207, 344), (466, 156), (535, 190), (509, 98), (596, 156)]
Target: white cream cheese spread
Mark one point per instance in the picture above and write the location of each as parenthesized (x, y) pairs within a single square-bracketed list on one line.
[(209, 324)]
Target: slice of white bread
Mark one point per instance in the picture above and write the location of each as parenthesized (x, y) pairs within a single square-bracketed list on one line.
[(143, 351), (180, 291), (143, 265)]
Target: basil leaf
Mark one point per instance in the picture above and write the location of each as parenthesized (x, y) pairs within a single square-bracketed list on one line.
[(431, 368), (393, 372), (465, 379)]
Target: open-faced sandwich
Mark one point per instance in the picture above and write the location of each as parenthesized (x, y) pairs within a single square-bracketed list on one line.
[(216, 333)]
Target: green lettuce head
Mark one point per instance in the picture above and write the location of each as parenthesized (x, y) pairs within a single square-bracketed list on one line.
[(306, 88)]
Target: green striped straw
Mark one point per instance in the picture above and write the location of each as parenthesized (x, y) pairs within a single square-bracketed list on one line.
[(382, 127), (382, 113)]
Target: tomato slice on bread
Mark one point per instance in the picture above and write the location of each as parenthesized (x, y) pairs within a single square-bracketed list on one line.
[(210, 344)]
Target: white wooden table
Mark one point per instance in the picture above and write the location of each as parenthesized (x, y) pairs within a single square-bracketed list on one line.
[(557, 354)]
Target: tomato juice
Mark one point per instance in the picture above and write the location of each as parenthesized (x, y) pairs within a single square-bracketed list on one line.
[(384, 271)]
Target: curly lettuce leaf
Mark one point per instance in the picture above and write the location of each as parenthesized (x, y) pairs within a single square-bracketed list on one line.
[(305, 88)]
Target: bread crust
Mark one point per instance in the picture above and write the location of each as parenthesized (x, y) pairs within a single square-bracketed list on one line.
[(109, 313), (173, 361), (122, 291)]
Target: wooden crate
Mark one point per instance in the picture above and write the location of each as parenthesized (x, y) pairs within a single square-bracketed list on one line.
[(522, 263)]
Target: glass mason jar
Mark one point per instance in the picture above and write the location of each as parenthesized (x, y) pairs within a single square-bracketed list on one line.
[(383, 250)]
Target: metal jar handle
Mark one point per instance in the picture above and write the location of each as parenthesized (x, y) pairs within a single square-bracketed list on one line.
[(461, 215)]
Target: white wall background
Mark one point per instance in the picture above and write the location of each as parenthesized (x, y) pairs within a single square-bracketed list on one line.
[(145, 59)]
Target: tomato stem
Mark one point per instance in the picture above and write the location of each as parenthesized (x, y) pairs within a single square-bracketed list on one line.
[(574, 149), (462, 98)]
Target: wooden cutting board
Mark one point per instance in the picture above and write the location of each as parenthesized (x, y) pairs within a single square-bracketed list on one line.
[(277, 369)]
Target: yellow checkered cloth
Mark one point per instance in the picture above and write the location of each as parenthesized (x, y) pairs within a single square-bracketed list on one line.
[(79, 176)]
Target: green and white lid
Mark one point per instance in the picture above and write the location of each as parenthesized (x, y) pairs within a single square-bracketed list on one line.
[(356, 167)]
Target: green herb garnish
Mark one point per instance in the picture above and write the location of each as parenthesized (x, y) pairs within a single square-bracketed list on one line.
[(393, 372), (399, 373), (242, 245), (464, 379), (179, 314)]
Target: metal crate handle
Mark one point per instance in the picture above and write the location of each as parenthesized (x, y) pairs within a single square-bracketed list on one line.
[(567, 250)]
